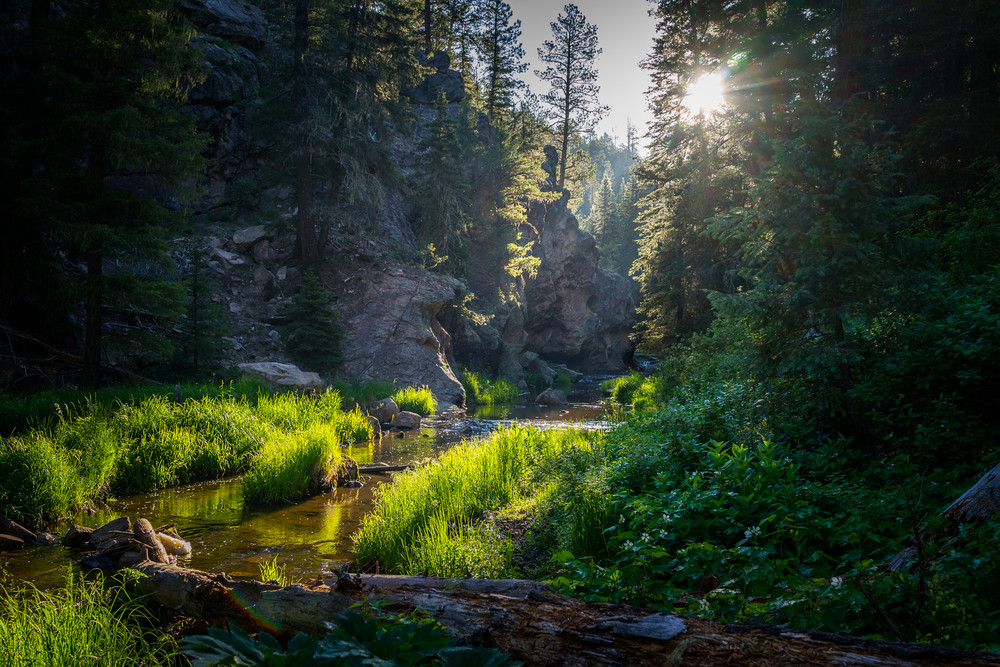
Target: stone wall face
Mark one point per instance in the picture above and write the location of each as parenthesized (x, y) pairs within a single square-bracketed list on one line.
[(578, 313)]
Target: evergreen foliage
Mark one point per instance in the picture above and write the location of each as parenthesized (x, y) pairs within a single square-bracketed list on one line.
[(313, 335), (501, 53), (93, 103), (203, 325), (571, 76)]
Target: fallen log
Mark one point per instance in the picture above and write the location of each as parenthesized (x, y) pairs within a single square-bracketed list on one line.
[(525, 619), (382, 469), (979, 503)]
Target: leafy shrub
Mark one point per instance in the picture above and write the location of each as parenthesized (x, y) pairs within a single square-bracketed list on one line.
[(356, 639)]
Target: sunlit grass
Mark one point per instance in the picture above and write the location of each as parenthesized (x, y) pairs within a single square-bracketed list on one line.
[(93, 450), (79, 625), (427, 513), (415, 399), (294, 466), (271, 571), (481, 391)]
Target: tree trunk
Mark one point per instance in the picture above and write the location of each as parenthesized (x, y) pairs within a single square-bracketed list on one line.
[(94, 316), (525, 619)]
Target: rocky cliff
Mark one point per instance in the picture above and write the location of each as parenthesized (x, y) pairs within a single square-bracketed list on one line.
[(577, 313)]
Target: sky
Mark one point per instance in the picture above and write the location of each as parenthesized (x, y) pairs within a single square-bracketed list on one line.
[(624, 31)]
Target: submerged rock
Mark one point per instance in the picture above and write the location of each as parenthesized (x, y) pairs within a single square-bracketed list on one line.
[(551, 397)]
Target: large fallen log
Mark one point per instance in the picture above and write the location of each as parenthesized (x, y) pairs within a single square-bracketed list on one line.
[(979, 503), (525, 619)]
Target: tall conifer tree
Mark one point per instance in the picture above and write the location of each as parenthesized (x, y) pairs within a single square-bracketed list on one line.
[(571, 75)]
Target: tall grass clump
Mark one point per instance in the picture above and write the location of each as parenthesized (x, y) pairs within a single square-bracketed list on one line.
[(92, 450), (294, 466), (623, 389), (413, 516), (78, 626), (416, 399), (481, 391)]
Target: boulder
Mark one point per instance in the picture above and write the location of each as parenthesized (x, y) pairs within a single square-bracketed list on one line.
[(385, 410), (406, 420), (228, 260), (244, 238), (45, 539), (577, 313), (284, 375), (551, 397), (264, 254), (392, 332), (376, 426), (77, 536), (532, 363), (15, 529)]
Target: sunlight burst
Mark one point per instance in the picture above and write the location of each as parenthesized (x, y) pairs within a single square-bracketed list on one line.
[(705, 95)]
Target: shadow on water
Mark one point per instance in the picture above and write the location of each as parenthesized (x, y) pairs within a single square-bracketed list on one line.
[(227, 536)]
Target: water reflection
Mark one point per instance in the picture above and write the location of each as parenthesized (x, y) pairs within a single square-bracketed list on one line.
[(226, 536)]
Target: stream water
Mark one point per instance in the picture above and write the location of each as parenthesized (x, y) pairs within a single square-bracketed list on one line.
[(228, 537)]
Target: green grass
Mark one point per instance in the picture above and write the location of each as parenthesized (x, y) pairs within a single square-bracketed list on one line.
[(429, 513), (271, 571), (79, 625), (481, 391), (415, 399), (95, 450)]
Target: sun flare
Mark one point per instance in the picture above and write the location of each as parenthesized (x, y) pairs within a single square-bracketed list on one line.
[(705, 95)]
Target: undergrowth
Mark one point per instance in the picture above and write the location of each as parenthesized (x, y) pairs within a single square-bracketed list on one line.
[(415, 399)]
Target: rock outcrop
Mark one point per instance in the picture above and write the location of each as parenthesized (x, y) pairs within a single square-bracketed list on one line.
[(442, 79), (231, 36), (578, 313), (286, 376), (392, 332)]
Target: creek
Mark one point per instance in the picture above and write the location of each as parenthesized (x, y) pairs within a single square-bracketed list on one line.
[(307, 537)]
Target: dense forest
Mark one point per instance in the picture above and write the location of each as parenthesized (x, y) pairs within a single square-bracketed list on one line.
[(805, 244)]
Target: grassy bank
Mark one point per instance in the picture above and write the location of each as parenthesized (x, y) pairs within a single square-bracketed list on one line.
[(92, 448), (480, 390), (79, 625), (430, 519), (702, 501)]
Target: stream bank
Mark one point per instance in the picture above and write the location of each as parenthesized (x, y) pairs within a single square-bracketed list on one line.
[(227, 536)]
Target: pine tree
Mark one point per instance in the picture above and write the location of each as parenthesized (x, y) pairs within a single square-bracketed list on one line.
[(106, 132), (501, 52), (573, 91), (313, 335), (203, 325), (442, 199)]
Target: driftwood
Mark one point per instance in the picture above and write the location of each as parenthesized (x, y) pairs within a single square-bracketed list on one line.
[(525, 619), (382, 469), (148, 543), (979, 503)]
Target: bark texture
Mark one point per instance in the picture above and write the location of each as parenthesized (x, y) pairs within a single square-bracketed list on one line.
[(527, 620)]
